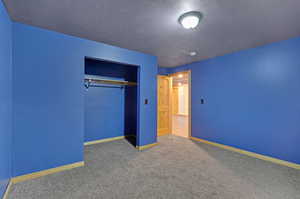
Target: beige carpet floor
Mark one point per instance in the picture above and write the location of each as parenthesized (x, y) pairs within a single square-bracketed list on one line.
[(177, 168)]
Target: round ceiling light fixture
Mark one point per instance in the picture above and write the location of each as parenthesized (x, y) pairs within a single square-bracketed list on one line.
[(190, 20)]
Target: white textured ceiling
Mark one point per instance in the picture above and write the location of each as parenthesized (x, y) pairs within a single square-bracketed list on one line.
[(151, 26)]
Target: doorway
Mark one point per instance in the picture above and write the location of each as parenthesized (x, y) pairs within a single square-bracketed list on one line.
[(174, 104)]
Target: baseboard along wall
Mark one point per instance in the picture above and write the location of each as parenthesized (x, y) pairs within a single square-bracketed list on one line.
[(46, 172), (251, 154)]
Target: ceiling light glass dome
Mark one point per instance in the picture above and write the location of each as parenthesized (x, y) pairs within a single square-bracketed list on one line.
[(190, 20)]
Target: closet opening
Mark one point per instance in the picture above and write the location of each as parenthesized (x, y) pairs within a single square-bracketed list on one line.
[(110, 101), (174, 104)]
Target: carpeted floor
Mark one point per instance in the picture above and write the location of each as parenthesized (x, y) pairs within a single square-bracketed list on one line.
[(178, 168)]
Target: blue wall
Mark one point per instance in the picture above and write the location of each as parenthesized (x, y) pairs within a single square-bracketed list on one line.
[(5, 97), (251, 99), (48, 96), (165, 71), (104, 113)]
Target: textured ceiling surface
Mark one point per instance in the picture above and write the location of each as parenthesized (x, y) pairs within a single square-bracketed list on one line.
[(151, 26)]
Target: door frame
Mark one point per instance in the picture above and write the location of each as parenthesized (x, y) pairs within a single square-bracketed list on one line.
[(190, 103), (189, 72)]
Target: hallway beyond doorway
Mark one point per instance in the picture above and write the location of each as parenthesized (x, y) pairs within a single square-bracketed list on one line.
[(180, 125)]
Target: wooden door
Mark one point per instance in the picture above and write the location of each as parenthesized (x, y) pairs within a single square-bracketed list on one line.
[(164, 85)]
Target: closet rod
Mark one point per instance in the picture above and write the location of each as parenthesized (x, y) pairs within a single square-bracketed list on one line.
[(114, 82), (105, 86)]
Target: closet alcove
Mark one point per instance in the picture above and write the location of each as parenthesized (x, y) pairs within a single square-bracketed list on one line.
[(110, 100)]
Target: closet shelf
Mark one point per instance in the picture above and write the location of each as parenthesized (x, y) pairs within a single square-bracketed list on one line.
[(110, 82)]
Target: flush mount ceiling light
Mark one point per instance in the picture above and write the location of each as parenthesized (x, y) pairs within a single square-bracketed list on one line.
[(191, 19)]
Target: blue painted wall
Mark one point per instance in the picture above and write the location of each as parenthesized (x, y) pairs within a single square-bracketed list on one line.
[(130, 125), (5, 97), (164, 70), (104, 113), (48, 96), (251, 99)]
